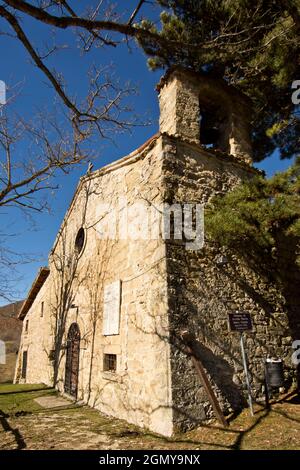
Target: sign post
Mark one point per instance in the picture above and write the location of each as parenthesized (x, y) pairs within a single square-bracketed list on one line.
[(246, 374), (241, 321)]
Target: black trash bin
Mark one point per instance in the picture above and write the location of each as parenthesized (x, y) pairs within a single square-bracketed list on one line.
[(274, 373)]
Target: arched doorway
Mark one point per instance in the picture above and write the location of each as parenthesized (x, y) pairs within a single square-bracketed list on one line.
[(72, 360)]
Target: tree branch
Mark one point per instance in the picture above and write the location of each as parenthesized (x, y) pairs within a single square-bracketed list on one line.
[(23, 38), (64, 22), (135, 12)]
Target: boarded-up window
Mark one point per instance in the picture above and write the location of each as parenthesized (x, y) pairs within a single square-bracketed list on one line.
[(111, 308), (24, 365)]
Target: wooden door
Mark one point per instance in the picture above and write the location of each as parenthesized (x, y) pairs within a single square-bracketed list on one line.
[(72, 360)]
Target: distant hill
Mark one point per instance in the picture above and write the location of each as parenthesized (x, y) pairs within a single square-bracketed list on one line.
[(11, 310)]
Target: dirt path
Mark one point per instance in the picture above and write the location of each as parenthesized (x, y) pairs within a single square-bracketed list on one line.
[(34, 418)]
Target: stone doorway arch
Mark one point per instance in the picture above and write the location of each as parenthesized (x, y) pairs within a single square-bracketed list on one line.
[(72, 360)]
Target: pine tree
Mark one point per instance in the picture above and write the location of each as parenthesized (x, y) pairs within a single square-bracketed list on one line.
[(260, 220), (252, 44)]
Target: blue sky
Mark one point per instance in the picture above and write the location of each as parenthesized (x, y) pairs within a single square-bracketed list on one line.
[(16, 69)]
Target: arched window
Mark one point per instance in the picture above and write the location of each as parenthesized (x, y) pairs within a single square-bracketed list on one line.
[(212, 126), (79, 241)]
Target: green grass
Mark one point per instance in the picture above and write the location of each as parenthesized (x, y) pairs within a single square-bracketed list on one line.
[(14, 388), (17, 398)]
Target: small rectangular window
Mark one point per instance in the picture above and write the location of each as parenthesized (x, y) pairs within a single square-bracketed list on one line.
[(42, 309), (24, 365), (110, 363), (26, 326)]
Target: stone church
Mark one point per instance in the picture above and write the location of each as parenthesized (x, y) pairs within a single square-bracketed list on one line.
[(103, 322)]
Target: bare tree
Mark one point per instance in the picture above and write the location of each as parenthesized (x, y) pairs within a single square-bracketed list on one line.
[(10, 260), (249, 33), (30, 156), (102, 101), (33, 153)]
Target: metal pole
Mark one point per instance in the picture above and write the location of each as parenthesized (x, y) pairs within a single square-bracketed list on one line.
[(188, 340), (246, 375)]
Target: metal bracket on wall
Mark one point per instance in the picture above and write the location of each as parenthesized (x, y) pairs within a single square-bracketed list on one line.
[(189, 349)]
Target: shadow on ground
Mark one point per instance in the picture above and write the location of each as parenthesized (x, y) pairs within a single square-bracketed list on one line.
[(26, 424)]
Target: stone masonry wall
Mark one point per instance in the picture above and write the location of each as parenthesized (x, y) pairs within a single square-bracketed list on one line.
[(182, 94), (140, 389), (201, 294), (37, 340)]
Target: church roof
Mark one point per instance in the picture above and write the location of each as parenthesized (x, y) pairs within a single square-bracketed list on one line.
[(35, 288)]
